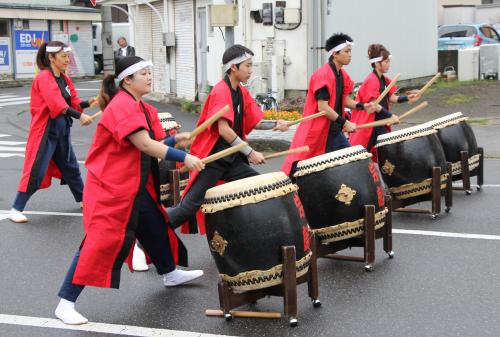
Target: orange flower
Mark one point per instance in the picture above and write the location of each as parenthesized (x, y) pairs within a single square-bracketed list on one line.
[(286, 115)]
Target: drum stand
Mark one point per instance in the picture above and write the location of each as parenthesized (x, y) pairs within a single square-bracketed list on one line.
[(367, 240), (400, 205), (466, 173), (288, 289)]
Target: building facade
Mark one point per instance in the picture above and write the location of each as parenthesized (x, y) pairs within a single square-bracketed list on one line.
[(186, 41), (25, 25)]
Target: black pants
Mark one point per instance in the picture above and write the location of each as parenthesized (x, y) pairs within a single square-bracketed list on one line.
[(151, 232), (228, 169)]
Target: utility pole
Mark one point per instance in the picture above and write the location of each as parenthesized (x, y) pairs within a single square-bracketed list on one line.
[(107, 41), (229, 31)]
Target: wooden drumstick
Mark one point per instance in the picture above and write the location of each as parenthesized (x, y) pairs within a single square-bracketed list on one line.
[(248, 314), (415, 109), (388, 121), (287, 152), (381, 122), (218, 155), (97, 114), (209, 122), (386, 91), (303, 119), (96, 102), (428, 84)]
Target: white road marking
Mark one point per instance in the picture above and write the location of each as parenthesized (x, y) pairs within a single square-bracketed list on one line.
[(8, 155), (16, 98), (491, 185), (87, 89), (4, 142), (44, 213), (127, 330), (1, 135), (7, 96), (14, 103), (446, 234), (4, 216), (13, 149)]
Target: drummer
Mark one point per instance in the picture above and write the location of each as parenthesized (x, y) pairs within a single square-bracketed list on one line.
[(373, 85), (121, 194), (230, 130), (329, 90)]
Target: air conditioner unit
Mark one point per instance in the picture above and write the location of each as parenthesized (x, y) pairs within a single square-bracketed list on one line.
[(488, 61), (468, 64)]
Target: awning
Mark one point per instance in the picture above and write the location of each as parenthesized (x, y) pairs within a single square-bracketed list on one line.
[(40, 12)]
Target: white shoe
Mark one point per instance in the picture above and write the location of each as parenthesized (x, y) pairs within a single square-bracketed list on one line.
[(139, 260), (179, 276), (17, 217), (81, 204), (66, 312)]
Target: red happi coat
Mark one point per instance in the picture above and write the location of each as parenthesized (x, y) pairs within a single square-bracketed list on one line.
[(369, 91), (112, 185), (205, 141), (46, 103), (314, 133)]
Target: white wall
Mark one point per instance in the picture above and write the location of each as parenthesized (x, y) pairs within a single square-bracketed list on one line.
[(454, 15), (441, 3), (408, 31), (488, 14), (291, 44)]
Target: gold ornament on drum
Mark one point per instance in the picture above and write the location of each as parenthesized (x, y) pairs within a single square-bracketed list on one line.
[(345, 194), (388, 168), (218, 244)]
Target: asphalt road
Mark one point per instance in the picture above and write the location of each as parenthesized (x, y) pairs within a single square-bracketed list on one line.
[(435, 285)]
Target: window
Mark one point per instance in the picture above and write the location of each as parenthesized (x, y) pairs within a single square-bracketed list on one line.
[(4, 27), (456, 31), (118, 15), (26, 24), (490, 33)]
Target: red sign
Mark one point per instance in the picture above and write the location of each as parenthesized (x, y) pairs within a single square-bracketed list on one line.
[(93, 2)]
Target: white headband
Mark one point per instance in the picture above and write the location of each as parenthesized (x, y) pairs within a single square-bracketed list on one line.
[(340, 47), (52, 49), (133, 68), (378, 59), (237, 60)]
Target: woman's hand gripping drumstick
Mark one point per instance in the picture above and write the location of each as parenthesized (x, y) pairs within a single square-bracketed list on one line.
[(218, 155), (390, 121), (287, 152)]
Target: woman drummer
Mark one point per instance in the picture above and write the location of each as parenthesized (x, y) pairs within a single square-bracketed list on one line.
[(49, 153), (121, 194), (373, 85)]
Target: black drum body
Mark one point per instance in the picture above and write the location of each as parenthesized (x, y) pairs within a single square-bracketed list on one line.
[(335, 187), (247, 223), (406, 158), (456, 136)]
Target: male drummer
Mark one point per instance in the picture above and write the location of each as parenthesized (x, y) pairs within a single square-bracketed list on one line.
[(230, 130), (329, 90)]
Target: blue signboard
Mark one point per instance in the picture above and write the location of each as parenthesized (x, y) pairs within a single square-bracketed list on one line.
[(4, 55), (30, 39)]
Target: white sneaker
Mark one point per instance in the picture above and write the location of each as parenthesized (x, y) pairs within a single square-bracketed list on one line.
[(179, 276), (66, 312), (17, 216), (81, 204), (139, 260)]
